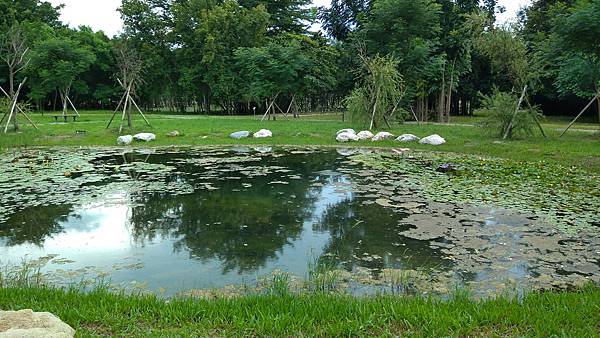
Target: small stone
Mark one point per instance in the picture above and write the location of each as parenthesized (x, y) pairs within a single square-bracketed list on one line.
[(174, 133), (240, 135)]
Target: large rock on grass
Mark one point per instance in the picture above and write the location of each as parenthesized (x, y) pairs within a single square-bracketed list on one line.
[(434, 140), (407, 138), (125, 140), (346, 137), (240, 135), (382, 136), (365, 135), (263, 133), (26, 323), (348, 130), (144, 137)]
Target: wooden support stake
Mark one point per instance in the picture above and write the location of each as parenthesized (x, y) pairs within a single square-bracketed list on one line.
[(269, 108), (73, 106), (139, 110), (116, 110), (535, 118), (13, 107), (124, 110), (415, 115), (512, 121), (581, 113)]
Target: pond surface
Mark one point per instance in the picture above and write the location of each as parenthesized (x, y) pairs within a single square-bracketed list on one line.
[(202, 218)]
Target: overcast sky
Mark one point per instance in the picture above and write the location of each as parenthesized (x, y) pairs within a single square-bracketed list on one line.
[(103, 15)]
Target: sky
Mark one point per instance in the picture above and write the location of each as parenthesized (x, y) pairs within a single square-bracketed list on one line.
[(103, 15)]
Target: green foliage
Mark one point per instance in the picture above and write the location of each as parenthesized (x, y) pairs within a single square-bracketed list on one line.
[(499, 110), (379, 92), (57, 64)]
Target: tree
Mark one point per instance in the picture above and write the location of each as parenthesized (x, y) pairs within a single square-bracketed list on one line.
[(15, 53), (271, 71), (56, 65), (380, 91), (576, 41)]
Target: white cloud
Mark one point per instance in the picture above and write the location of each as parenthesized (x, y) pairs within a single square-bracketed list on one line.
[(98, 14)]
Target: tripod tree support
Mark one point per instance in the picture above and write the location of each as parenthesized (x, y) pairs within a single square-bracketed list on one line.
[(15, 109), (581, 113)]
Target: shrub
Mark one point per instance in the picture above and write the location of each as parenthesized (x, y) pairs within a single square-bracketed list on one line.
[(499, 109)]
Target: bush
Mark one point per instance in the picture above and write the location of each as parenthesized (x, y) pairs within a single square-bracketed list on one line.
[(499, 109)]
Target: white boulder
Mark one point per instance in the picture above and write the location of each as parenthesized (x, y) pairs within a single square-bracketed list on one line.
[(407, 138), (434, 140), (351, 131), (125, 140), (240, 135), (365, 135), (346, 137), (263, 133), (144, 137), (27, 323), (382, 136)]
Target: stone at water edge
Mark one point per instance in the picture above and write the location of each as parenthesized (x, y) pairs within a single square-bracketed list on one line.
[(382, 136), (351, 131), (434, 140), (365, 135), (174, 133), (346, 137), (263, 133), (239, 135), (26, 323), (125, 140), (144, 137), (407, 138)]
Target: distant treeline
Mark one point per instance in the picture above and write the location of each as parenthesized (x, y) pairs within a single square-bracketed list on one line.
[(240, 57)]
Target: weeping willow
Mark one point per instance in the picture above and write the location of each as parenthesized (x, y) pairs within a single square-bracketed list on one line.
[(377, 98)]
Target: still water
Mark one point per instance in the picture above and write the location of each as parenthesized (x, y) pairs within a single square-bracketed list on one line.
[(180, 219)]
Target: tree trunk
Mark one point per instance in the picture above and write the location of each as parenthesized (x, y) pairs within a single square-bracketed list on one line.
[(598, 99), (11, 80)]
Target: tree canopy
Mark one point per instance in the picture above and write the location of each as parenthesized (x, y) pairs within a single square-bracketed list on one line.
[(235, 56)]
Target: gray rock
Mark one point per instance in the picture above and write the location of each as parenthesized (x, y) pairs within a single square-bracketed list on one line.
[(174, 133), (407, 138), (434, 140), (125, 140), (382, 136), (240, 135), (351, 131), (365, 135), (144, 137), (263, 133), (26, 323), (346, 137)]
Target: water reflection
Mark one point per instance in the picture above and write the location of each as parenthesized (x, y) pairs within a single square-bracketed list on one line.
[(246, 214)]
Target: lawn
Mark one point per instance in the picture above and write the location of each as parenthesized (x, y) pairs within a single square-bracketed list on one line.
[(101, 313), (580, 147)]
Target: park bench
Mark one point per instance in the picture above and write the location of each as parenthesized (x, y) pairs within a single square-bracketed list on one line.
[(66, 117)]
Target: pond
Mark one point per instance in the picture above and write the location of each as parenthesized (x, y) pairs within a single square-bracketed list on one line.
[(180, 219)]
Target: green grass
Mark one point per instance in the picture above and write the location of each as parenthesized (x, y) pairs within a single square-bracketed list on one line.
[(580, 147), (101, 313)]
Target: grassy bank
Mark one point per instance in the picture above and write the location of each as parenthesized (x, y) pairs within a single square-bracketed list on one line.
[(580, 147), (101, 313)]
